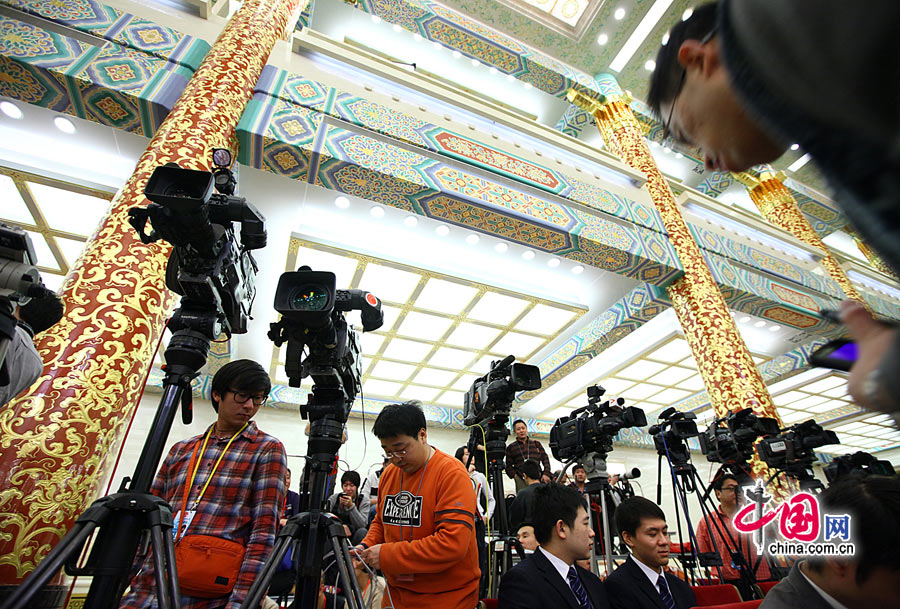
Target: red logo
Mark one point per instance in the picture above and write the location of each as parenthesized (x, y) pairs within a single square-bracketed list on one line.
[(370, 298)]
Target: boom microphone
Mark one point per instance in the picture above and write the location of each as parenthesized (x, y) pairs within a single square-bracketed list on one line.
[(634, 473)]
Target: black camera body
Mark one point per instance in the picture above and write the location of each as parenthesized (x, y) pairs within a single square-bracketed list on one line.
[(207, 266), (732, 442), (591, 429), (491, 395), (860, 464), (671, 433), (312, 319), (793, 447)]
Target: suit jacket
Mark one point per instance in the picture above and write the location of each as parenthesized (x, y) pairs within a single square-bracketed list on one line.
[(535, 584), (629, 588), (794, 591), (520, 510)]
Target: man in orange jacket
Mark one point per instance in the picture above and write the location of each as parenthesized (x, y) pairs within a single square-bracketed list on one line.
[(423, 535)]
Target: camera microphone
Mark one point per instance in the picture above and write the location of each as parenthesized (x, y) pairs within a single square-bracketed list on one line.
[(653, 430), (634, 473)]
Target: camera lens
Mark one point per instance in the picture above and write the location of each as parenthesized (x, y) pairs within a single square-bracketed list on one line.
[(309, 298)]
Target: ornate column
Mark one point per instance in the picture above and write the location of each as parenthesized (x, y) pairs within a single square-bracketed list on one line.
[(59, 441), (729, 373), (778, 206)]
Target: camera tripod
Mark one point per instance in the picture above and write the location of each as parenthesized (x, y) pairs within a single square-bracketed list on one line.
[(122, 519), (502, 545), (685, 479), (309, 530)]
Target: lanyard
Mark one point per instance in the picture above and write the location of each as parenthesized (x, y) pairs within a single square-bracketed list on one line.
[(190, 484), (425, 467)]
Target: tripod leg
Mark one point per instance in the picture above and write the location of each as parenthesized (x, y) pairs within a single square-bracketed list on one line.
[(264, 578), (69, 547), (161, 571), (341, 548)]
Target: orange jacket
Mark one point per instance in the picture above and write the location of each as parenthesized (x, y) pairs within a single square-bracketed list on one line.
[(429, 556)]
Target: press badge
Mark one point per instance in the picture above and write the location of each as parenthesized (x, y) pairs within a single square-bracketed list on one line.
[(188, 517)]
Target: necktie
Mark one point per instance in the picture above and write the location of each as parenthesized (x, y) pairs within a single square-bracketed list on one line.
[(578, 590), (667, 599)]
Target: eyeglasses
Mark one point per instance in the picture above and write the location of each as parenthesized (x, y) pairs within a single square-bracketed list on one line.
[(390, 454), (666, 132), (240, 397)]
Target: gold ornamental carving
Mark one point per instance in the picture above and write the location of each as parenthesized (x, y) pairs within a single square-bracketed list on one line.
[(60, 440)]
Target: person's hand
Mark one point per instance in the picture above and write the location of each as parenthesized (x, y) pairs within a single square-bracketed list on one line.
[(355, 553), (545, 478), (372, 556), (346, 501), (873, 339), (282, 522), (614, 479)]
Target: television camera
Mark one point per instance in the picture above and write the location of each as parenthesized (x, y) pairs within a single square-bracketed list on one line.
[(858, 464), (491, 395), (791, 450), (729, 440), (671, 432)]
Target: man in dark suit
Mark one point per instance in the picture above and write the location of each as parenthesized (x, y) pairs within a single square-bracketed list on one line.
[(520, 510), (871, 577), (549, 578), (640, 582)]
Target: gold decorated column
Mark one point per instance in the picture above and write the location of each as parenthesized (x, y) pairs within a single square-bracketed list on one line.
[(58, 442), (777, 205), (729, 373)]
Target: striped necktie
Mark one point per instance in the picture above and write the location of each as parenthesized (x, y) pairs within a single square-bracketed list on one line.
[(667, 599), (578, 589)]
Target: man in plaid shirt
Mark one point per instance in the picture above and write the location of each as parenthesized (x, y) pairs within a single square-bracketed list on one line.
[(244, 494), (521, 449)]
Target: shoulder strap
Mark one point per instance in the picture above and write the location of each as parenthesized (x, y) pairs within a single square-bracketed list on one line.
[(187, 484)]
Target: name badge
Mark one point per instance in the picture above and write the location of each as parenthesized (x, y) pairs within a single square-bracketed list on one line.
[(403, 509), (188, 517)]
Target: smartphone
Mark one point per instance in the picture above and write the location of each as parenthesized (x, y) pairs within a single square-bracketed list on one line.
[(838, 354)]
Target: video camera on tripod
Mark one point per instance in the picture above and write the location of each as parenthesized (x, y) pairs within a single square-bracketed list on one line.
[(791, 450), (671, 432), (20, 281), (207, 267), (729, 439), (591, 428), (491, 395), (858, 464)]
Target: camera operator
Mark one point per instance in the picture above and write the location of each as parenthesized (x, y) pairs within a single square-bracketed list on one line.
[(520, 450), (423, 535), (728, 493), (23, 362)]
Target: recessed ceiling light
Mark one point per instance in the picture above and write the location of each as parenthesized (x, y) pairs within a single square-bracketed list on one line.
[(553, 263), (527, 85), (492, 70), (417, 36), (64, 124), (437, 45), (602, 39), (472, 239), (744, 319), (639, 35), (795, 146), (796, 165), (376, 18), (687, 14), (679, 155), (342, 202), (774, 328), (528, 255), (397, 27), (476, 63), (665, 39), (649, 65), (11, 110), (442, 230), (760, 324), (376, 211), (577, 269), (510, 77), (619, 14), (501, 247), (456, 54), (410, 221)]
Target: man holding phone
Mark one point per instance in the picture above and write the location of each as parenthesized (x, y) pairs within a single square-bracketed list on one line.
[(351, 506)]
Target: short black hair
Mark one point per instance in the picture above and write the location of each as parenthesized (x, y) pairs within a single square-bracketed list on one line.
[(873, 504), (352, 476), (634, 509), (42, 312), (517, 421), (532, 469), (666, 77), (578, 466), (404, 419), (240, 375), (553, 502), (719, 481), (459, 454)]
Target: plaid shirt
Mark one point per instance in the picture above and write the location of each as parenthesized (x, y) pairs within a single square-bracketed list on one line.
[(242, 504), (517, 452)]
